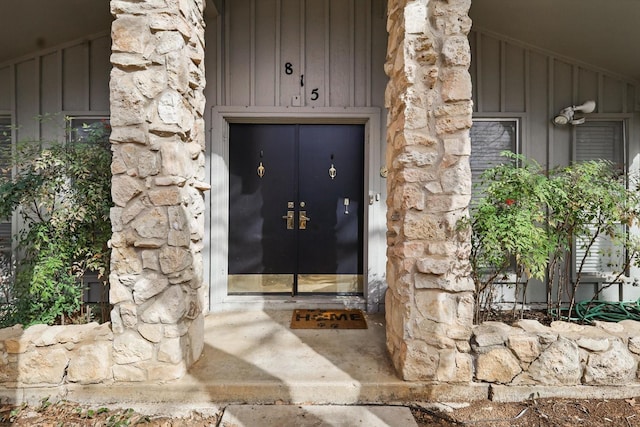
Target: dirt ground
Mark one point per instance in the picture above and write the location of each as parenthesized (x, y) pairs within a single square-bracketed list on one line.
[(541, 412)]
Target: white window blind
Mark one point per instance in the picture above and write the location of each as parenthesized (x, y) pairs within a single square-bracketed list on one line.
[(489, 138), (600, 141)]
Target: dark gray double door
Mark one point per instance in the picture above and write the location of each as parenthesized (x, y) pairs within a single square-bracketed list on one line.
[(296, 208)]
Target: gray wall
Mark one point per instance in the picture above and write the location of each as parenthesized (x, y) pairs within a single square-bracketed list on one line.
[(72, 79), (512, 79), (338, 45)]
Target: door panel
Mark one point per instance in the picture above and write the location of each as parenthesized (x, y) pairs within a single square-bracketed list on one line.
[(321, 250), (259, 243), (331, 244)]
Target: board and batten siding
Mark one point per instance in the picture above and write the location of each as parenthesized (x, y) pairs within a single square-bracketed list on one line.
[(303, 53), (515, 80), (72, 79), (511, 79)]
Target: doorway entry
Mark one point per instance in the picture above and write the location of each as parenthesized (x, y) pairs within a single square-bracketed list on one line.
[(296, 209)]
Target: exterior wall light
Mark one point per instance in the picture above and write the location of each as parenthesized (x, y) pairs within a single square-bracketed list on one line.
[(566, 115)]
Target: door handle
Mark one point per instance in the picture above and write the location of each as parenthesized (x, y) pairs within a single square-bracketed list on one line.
[(290, 219), (302, 225)]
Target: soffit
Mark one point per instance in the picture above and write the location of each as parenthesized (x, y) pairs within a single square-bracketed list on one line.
[(603, 33)]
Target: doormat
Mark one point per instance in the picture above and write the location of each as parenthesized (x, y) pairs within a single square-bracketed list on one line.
[(328, 319)]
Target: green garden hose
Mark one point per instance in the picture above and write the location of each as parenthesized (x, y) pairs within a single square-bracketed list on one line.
[(607, 311)]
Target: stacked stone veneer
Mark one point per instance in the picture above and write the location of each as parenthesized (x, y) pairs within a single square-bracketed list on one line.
[(45, 356), (526, 354), (429, 302), (563, 354), (158, 141)]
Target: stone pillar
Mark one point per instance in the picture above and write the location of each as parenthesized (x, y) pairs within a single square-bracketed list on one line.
[(158, 141), (429, 303)]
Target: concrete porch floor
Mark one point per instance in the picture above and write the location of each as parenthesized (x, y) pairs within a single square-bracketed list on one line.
[(254, 357)]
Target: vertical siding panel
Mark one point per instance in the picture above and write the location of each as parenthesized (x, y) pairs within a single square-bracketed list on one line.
[(26, 97), (278, 62), (537, 114), (613, 89), (327, 53), (514, 79), (587, 85), (489, 74), (339, 54), (303, 53), (631, 98), (315, 53), (361, 77), (563, 85), (503, 76), (352, 53), (51, 93), (239, 52), (265, 62), (5, 88), (563, 97), (211, 64), (100, 68), (378, 53), (290, 50), (367, 49), (75, 78), (252, 66)]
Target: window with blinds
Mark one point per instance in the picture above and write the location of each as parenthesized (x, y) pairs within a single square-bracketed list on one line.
[(600, 140), (489, 138), (5, 172)]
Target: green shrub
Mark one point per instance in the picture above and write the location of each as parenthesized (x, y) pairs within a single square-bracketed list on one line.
[(62, 192), (529, 223)]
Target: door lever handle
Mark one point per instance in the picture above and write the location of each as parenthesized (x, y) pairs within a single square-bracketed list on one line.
[(302, 225), (290, 219)]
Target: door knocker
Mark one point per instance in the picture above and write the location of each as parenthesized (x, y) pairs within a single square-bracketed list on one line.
[(261, 166), (332, 169)]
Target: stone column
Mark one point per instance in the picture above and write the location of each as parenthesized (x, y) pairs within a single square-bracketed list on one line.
[(429, 303), (158, 141)]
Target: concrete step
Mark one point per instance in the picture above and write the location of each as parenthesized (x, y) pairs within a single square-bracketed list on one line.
[(316, 416)]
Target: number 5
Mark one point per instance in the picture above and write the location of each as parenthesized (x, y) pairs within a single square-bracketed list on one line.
[(315, 94)]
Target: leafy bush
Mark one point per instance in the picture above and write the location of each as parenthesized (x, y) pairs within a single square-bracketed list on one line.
[(62, 192), (508, 228), (590, 202), (532, 224)]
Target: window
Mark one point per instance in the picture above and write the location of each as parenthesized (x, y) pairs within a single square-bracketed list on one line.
[(88, 129), (93, 130), (600, 140), (489, 138), (5, 172)]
